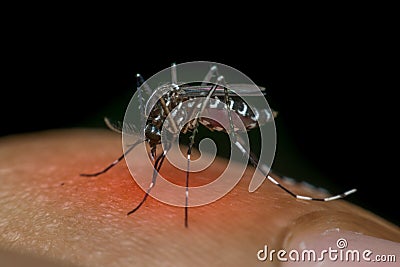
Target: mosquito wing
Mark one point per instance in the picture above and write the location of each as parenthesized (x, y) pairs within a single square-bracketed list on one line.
[(233, 89)]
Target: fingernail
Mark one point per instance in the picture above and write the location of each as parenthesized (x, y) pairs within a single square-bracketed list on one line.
[(336, 247)]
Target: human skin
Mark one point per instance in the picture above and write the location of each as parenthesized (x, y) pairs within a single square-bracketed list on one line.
[(52, 216)]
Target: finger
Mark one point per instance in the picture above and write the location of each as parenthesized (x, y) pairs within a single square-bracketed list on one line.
[(48, 209)]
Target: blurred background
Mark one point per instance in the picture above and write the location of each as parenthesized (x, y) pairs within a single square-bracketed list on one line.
[(328, 84)]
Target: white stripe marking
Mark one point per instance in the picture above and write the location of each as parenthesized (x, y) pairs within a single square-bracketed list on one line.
[(214, 104), (303, 197), (256, 115), (243, 112), (241, 148), (332, 198), (350, 192), (268, 114), (190, 104), (231, 104), (272, 179)]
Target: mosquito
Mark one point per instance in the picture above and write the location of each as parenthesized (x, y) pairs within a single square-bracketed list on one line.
[(226, 99)]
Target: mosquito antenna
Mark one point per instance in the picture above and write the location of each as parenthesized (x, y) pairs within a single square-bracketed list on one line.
[(210, 74), (174, 76), (140, 82)]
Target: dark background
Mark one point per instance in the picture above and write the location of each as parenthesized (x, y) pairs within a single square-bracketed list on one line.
[(328, 83)]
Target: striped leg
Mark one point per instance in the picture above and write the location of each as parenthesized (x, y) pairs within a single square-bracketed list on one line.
[(231, 131), (115, 162), (117, 127), (269, 177), (254, 162), (195, 123), (189, 151), (157, 166)]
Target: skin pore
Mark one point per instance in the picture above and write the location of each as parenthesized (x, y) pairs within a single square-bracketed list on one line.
[(52, 216)]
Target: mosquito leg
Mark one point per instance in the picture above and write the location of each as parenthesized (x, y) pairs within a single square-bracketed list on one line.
[(167, 111), (228, 106), (212, 72), (254, 162), (342, 195), (191, 143), (231, 132), (157, 167), (115, 162), (189, 152), (116, 128)]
